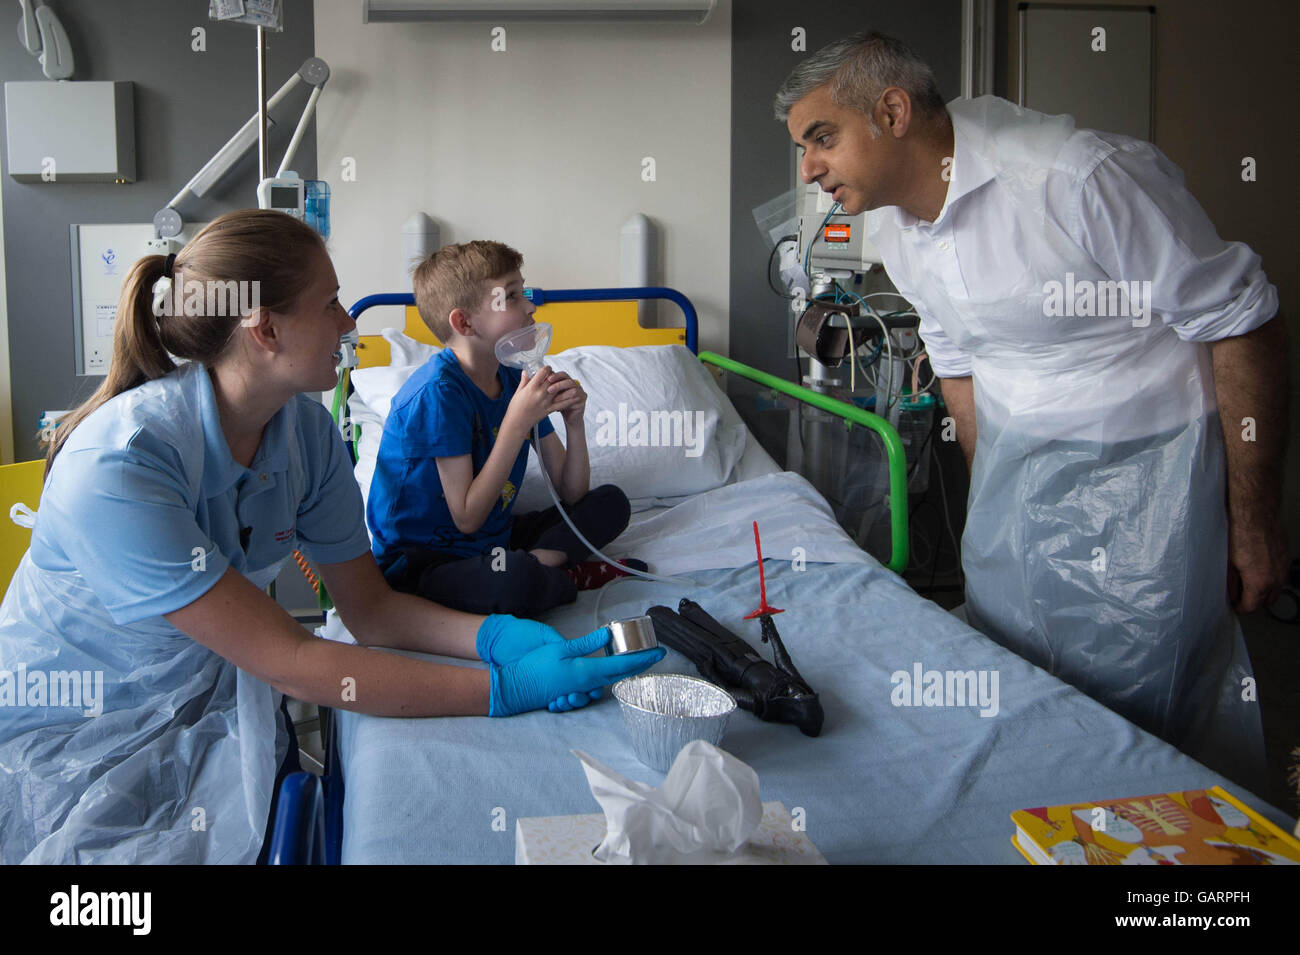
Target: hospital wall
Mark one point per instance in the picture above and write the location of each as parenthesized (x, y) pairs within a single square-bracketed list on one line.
[(1224, 90), (542, 145), (187, 104)]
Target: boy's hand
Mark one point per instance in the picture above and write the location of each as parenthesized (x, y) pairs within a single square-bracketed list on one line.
[(570, 399), (532, 402)]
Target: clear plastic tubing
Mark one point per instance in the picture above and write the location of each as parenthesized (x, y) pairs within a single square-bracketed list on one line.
[(524, 349), (546, 479)]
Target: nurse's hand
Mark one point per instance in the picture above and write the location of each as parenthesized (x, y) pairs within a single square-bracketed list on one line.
[(504, 639), (554, 675), (574, 701)]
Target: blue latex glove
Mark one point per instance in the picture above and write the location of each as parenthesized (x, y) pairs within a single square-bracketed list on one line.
[(504, 639), (575, 701), (557, 674)]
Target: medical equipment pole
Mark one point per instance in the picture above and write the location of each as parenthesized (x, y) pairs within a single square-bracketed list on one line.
[(261, 104), (817, 466)]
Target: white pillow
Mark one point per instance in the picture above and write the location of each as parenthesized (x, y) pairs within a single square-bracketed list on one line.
[(406, 350), (373, 393), (657, 423)]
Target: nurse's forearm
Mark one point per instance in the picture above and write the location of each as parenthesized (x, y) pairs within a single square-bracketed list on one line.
[(383, 684), (1250, 384), (406, 622), (242, 624), (959, 396)]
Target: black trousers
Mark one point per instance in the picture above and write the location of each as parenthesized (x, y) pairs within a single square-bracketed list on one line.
[(516, 582)]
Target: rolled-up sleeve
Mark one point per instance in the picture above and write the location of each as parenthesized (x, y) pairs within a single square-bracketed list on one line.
[(1139, 222), (947, 360)]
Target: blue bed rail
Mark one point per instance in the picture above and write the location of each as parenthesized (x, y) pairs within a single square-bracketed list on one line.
[(540, 297)]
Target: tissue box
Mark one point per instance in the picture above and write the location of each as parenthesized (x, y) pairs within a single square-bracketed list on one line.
[(569, 840)]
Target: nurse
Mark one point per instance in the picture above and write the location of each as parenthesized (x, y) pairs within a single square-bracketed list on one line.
[(152, 663), (1097, 540)]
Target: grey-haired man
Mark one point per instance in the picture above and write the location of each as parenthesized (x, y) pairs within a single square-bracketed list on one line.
[(1091, 330)]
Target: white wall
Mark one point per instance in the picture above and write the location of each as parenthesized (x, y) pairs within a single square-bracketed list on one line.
[(539, 146)]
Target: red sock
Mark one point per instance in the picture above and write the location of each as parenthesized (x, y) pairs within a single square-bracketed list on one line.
[(594, 574)]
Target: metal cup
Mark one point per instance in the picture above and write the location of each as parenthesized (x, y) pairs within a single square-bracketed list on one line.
[(631, 635)]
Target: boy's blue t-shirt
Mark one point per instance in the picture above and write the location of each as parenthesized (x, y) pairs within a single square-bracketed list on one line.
[(440, 413)]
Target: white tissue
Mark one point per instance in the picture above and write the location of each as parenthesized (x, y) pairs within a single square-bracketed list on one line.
[(707, 808)]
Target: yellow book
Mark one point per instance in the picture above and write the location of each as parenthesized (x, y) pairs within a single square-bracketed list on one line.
[(1195, 827)]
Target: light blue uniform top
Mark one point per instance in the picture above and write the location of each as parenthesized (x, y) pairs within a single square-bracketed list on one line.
[(142, 513), (146, 502)]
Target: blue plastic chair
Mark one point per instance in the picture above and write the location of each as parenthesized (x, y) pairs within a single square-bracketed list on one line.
[(298, 836), (308, 827)]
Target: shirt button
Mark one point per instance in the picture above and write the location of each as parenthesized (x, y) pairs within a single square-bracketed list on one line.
[(945, 245), (261, 477)]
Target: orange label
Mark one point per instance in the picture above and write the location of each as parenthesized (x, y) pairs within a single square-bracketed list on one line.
[(837, 232)]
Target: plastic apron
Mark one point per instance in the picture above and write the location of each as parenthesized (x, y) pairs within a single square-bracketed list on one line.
[(179, 766), (1096, 536)]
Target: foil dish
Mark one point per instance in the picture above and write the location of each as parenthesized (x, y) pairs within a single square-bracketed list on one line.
[(665, 711)]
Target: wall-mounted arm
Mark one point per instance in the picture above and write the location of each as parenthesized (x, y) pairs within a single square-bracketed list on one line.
[(314, 71)]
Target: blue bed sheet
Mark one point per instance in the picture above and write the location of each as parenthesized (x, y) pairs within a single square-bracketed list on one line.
[(884, 783)]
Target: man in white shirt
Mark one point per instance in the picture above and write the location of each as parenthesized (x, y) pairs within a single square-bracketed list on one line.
[(1091, 330)]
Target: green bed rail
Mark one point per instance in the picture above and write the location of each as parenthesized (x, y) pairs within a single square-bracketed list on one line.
[(852, 414)]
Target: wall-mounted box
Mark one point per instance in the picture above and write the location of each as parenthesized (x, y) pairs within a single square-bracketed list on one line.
[(70, 132)]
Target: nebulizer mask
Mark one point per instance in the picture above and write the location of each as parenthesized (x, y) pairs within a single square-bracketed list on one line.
[(525, 349)]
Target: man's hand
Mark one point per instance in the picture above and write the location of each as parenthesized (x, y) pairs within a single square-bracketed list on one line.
[(1257, 565)]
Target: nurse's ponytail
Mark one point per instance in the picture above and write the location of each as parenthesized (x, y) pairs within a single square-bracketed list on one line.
[(156, 321)]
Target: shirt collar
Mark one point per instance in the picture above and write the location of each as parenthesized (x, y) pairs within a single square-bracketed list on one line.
[(970, 169), (220, 469)]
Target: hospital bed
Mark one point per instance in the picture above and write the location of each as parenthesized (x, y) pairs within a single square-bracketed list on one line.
[(889, 780)]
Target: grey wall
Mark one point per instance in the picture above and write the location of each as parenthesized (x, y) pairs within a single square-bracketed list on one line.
[(187, 104), (1208, 56), (761, 152)]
